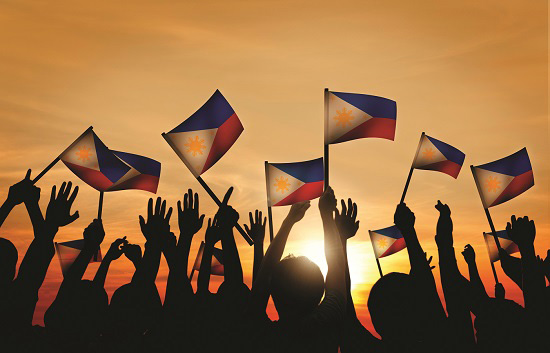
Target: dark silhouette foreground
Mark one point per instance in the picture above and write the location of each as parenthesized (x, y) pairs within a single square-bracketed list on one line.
[(316, 314)]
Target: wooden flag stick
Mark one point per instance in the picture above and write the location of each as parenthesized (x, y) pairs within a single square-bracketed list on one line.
[(269, 213), (50, 166), (100, 206), (205, 186), (412, 169), (326, 146), (379, 267)]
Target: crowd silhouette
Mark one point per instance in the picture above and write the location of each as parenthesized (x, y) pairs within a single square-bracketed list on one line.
[(316, 313)]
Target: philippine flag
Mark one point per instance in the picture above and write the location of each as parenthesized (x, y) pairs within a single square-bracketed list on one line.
[(290, 183), (202, 139), (436, 155), (144, 173), (68, 251), (216, 267), (386, 241), (504, 179), (93, 162), (350, 116), (505, 243)]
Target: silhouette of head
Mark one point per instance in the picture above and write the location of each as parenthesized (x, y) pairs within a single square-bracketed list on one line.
[(135, 308), (79, 309), (8, 261), (393, 303), (297, 286), (501, 326)]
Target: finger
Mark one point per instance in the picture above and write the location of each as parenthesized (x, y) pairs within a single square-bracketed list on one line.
[(67, 190), (73, 195), (196, 205), (73, 217), (52, 196), (190, 198), (227, 196), (265, 220), (337, 213), (343, 203), (209, 222), (28, 175), (514, 219), (201, 220), (251, 219), (163, 208), (354, 211), (141, 222), (257, 216), (247, 230), (62, 189), (350, 207), (158, 204), (185, 201), (150, 208), (179, 207), (168, 214)]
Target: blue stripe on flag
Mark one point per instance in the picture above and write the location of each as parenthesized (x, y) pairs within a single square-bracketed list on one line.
[(109, 164), (142, 164), (307, 171), (513, 165), (377, 107), (450, 152), (211, 115), (391, 232)]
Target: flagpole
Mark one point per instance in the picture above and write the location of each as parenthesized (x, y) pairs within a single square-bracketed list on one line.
[(269, 213), (489, 219), (54, 162), (100, 206), (412, 169), (326, 145), (379, 268), (206, 187)]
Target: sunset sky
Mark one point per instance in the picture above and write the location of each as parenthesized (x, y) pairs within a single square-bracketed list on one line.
[(471, 73)]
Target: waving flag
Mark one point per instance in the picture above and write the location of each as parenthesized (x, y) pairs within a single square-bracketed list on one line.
[(217, 261), (202, 139), (290, 183), (436, 155), (144, 173), (386, 241), (504, 179), (68, 251), (505, 243), (93, 162), (350, 116)]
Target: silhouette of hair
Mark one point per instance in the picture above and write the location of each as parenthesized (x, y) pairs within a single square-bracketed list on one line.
[(392, 302), (135, 308), (8, 261), (80, 308), (297, 286)]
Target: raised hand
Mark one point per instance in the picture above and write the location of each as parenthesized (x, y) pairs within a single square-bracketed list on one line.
[(158, 221), (116, 249), (327, 202), (132, 253), (500, 292), (189, 220), (226, 216), (469, 254), (545, 264), (94, 234), (444, 235), (58, 213), (522, 231), (256, 231), (297, 211), (346, 221), (403, 218), (213, 232), (23, 191)]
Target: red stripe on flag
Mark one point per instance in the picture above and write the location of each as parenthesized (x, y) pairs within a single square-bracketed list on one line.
[(374, 127), (227, 134), (144, 182), (305, 192), (448, 167), (397, 245), (519, 184), (92, 177)]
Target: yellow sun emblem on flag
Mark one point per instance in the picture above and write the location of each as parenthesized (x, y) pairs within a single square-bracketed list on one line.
[(428, 153), (493, 184), (344, 117), (84, 153), (195, 146), (382, 243), (281, 184)]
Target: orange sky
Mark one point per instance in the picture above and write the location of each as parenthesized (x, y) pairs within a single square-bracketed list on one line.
[(473, 74)]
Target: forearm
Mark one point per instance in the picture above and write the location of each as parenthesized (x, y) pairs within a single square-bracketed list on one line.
[(5, 210), (203, 280), (475, 280), (34, 265), (233, 271), (350, 311), (148, 267), (37, 219), (79, 266), (101, 273), (258, 258), (512, 268), (533, 281), (334, 253)]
